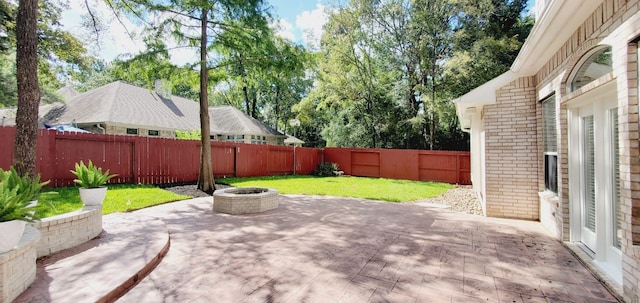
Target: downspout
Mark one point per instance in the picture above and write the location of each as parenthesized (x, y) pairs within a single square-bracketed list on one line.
[(104, 131)]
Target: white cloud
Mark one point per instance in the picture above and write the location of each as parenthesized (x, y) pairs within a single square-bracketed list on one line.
[(284, 29), (311, 23), (114, 39)]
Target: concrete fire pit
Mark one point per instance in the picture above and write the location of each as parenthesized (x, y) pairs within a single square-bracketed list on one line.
[(244, 200)]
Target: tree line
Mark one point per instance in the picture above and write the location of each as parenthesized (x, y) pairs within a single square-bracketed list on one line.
[(382, 77)]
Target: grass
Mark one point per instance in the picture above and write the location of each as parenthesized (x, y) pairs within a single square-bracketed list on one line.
[(128, 197), (356, 187), (120, 198)]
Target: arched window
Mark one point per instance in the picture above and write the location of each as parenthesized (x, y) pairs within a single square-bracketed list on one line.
[(592, 66)]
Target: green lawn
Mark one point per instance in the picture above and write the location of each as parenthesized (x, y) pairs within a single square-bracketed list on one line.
[(126, 197), (355, 187), (120, 198)]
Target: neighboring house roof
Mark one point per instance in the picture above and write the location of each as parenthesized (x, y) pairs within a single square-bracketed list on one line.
[(230, 120), (8, 115), (292, 140), (555, 23), (120, 102), (67, 93), (127, 104)]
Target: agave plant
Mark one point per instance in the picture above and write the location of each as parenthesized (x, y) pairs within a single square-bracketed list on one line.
[(16, 194), (90, 176)]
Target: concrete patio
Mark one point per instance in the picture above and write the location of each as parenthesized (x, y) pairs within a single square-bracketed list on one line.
[(321, 249)]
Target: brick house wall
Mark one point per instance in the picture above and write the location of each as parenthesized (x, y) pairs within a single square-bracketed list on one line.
[(511, 144), (615, 23)]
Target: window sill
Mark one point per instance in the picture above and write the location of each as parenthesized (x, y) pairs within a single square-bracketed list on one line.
[(550, 197)]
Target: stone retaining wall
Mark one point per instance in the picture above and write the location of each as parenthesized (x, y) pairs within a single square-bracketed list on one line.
[(68, 230), (18, 266)]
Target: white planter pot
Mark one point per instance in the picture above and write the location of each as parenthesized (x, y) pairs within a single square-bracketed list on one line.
[(93, 196), (10, 234)]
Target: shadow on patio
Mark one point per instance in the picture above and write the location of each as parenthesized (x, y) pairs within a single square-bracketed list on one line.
[(327, 249)]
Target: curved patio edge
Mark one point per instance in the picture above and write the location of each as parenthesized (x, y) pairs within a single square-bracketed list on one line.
[(104, 268)]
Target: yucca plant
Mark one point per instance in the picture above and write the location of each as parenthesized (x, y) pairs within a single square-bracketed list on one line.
[(16, 194), (90, 176)]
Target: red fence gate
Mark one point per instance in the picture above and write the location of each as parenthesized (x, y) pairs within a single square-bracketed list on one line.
[(163, 161)]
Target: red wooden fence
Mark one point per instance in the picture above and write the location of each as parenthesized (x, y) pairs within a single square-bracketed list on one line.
[(163, 161), (443, 166)]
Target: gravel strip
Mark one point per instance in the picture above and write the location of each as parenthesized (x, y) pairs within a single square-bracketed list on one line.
[(461, 199)]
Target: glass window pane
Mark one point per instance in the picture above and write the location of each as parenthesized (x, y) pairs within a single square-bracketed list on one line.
[(595, 66), (589, 174), (615, 159), (549, 128)]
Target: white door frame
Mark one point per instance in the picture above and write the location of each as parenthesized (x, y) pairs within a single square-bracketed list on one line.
[(597, 102)]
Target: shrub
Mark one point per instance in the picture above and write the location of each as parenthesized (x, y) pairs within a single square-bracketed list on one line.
[(326, 169), (188, 135), (90, 176), (16, 194)]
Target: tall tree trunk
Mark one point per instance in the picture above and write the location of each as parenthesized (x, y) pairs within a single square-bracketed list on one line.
[(254, 105), (277, 106), (432, 128), (24, 159), (247, 103), (205, 180)]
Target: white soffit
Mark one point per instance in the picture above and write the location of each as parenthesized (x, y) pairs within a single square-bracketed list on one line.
[(552, 29), (483, 94)]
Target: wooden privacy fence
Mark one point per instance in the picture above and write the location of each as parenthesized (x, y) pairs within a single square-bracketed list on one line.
[(155, 160), (149, 160), (423, 165)]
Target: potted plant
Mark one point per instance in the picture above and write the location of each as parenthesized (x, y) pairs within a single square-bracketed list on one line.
[(91, 180), (16, 206)]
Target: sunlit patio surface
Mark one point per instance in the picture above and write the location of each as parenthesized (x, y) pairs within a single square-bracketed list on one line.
[(317, 249)]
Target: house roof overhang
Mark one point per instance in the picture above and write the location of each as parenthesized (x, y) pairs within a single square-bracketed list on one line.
[(472, 102), (554, 25)]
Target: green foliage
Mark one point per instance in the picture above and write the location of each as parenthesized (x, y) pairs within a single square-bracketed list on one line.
[(486, 44), (61, 55), (326, 169), (90, 176), (387, 70), (188, 135), (354, 187), (9, 89), (16, 194)]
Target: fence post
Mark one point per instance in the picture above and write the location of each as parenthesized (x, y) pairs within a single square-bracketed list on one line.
[(236, 151), (458, 181)]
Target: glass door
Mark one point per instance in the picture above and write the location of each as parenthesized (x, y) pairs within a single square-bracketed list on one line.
[(594, 178)]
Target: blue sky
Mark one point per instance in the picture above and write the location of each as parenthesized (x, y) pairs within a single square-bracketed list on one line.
[(294, 19), (290, 11)]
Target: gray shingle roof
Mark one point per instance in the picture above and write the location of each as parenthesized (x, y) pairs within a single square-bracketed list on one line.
[(67, 93), (230, 120), (8, 115), (292, 140), (120, 102)]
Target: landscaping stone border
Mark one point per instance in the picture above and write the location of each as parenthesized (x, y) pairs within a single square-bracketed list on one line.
[(68, 230), (18, 266)]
